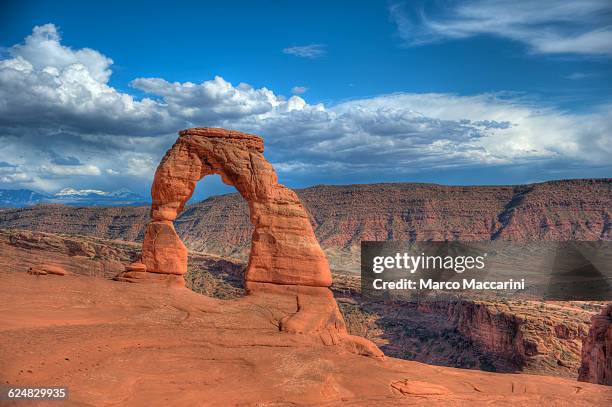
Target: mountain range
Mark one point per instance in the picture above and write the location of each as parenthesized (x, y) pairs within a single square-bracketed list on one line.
[(19, 198)]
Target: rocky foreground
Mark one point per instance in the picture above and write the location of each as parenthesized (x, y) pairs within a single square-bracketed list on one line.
[(114, 343), (511, 337)]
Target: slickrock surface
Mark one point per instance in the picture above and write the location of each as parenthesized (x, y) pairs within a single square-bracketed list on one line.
[(22, 250), (114, 343), (520, 336), (527, 336), (597, 350)]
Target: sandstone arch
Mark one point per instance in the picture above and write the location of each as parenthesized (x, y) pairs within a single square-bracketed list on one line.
[(287, 271), (284, 248)]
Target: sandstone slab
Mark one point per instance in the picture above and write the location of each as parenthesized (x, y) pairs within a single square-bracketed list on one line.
[(145, 345), (45, 268)]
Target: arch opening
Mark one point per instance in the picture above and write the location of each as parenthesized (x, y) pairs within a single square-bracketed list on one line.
[(220, 276)]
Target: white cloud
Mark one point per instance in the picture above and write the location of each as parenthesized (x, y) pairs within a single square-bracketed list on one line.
[(408, 132), (299, 90), (546, 26), (63, 171), (210, 100), (43, 49), (13, 174), (311, 51), (62, 124), (139, 164)]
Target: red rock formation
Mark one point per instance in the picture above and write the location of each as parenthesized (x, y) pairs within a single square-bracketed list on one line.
[(285, 260), (284, 249), (527, 336), (22, 250), (343, 216), (43, 269), (597, 350)]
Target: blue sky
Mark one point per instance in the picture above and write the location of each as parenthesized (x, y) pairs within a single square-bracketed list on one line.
[(473, 92)]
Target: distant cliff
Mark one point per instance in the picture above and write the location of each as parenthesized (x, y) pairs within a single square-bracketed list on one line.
[(343, 216)]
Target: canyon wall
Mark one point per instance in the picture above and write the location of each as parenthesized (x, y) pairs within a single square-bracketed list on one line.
[(597, 350), (528, 336), (342, 216)]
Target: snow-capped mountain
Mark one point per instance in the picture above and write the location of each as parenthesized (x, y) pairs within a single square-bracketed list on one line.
[(71, 196), (86, 197), (81, 192)]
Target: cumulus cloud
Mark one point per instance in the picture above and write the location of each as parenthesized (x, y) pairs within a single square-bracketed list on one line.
[(13, 174), (546, 26), (62, 124), (416, 132), (42, 49), (211, 100), (63, 171), (311, 51)]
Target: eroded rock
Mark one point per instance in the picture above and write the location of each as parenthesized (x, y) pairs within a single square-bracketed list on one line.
[(285, 260), (597, 350), (45, 268), (284, 249), (163, 252)]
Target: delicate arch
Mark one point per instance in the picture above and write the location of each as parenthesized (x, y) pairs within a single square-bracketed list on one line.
[(287, 268), (284, 249)]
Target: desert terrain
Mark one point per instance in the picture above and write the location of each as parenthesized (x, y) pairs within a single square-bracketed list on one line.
[(113, 343)]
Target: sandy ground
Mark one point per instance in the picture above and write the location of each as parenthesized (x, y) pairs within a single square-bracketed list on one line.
[(116, 344)]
